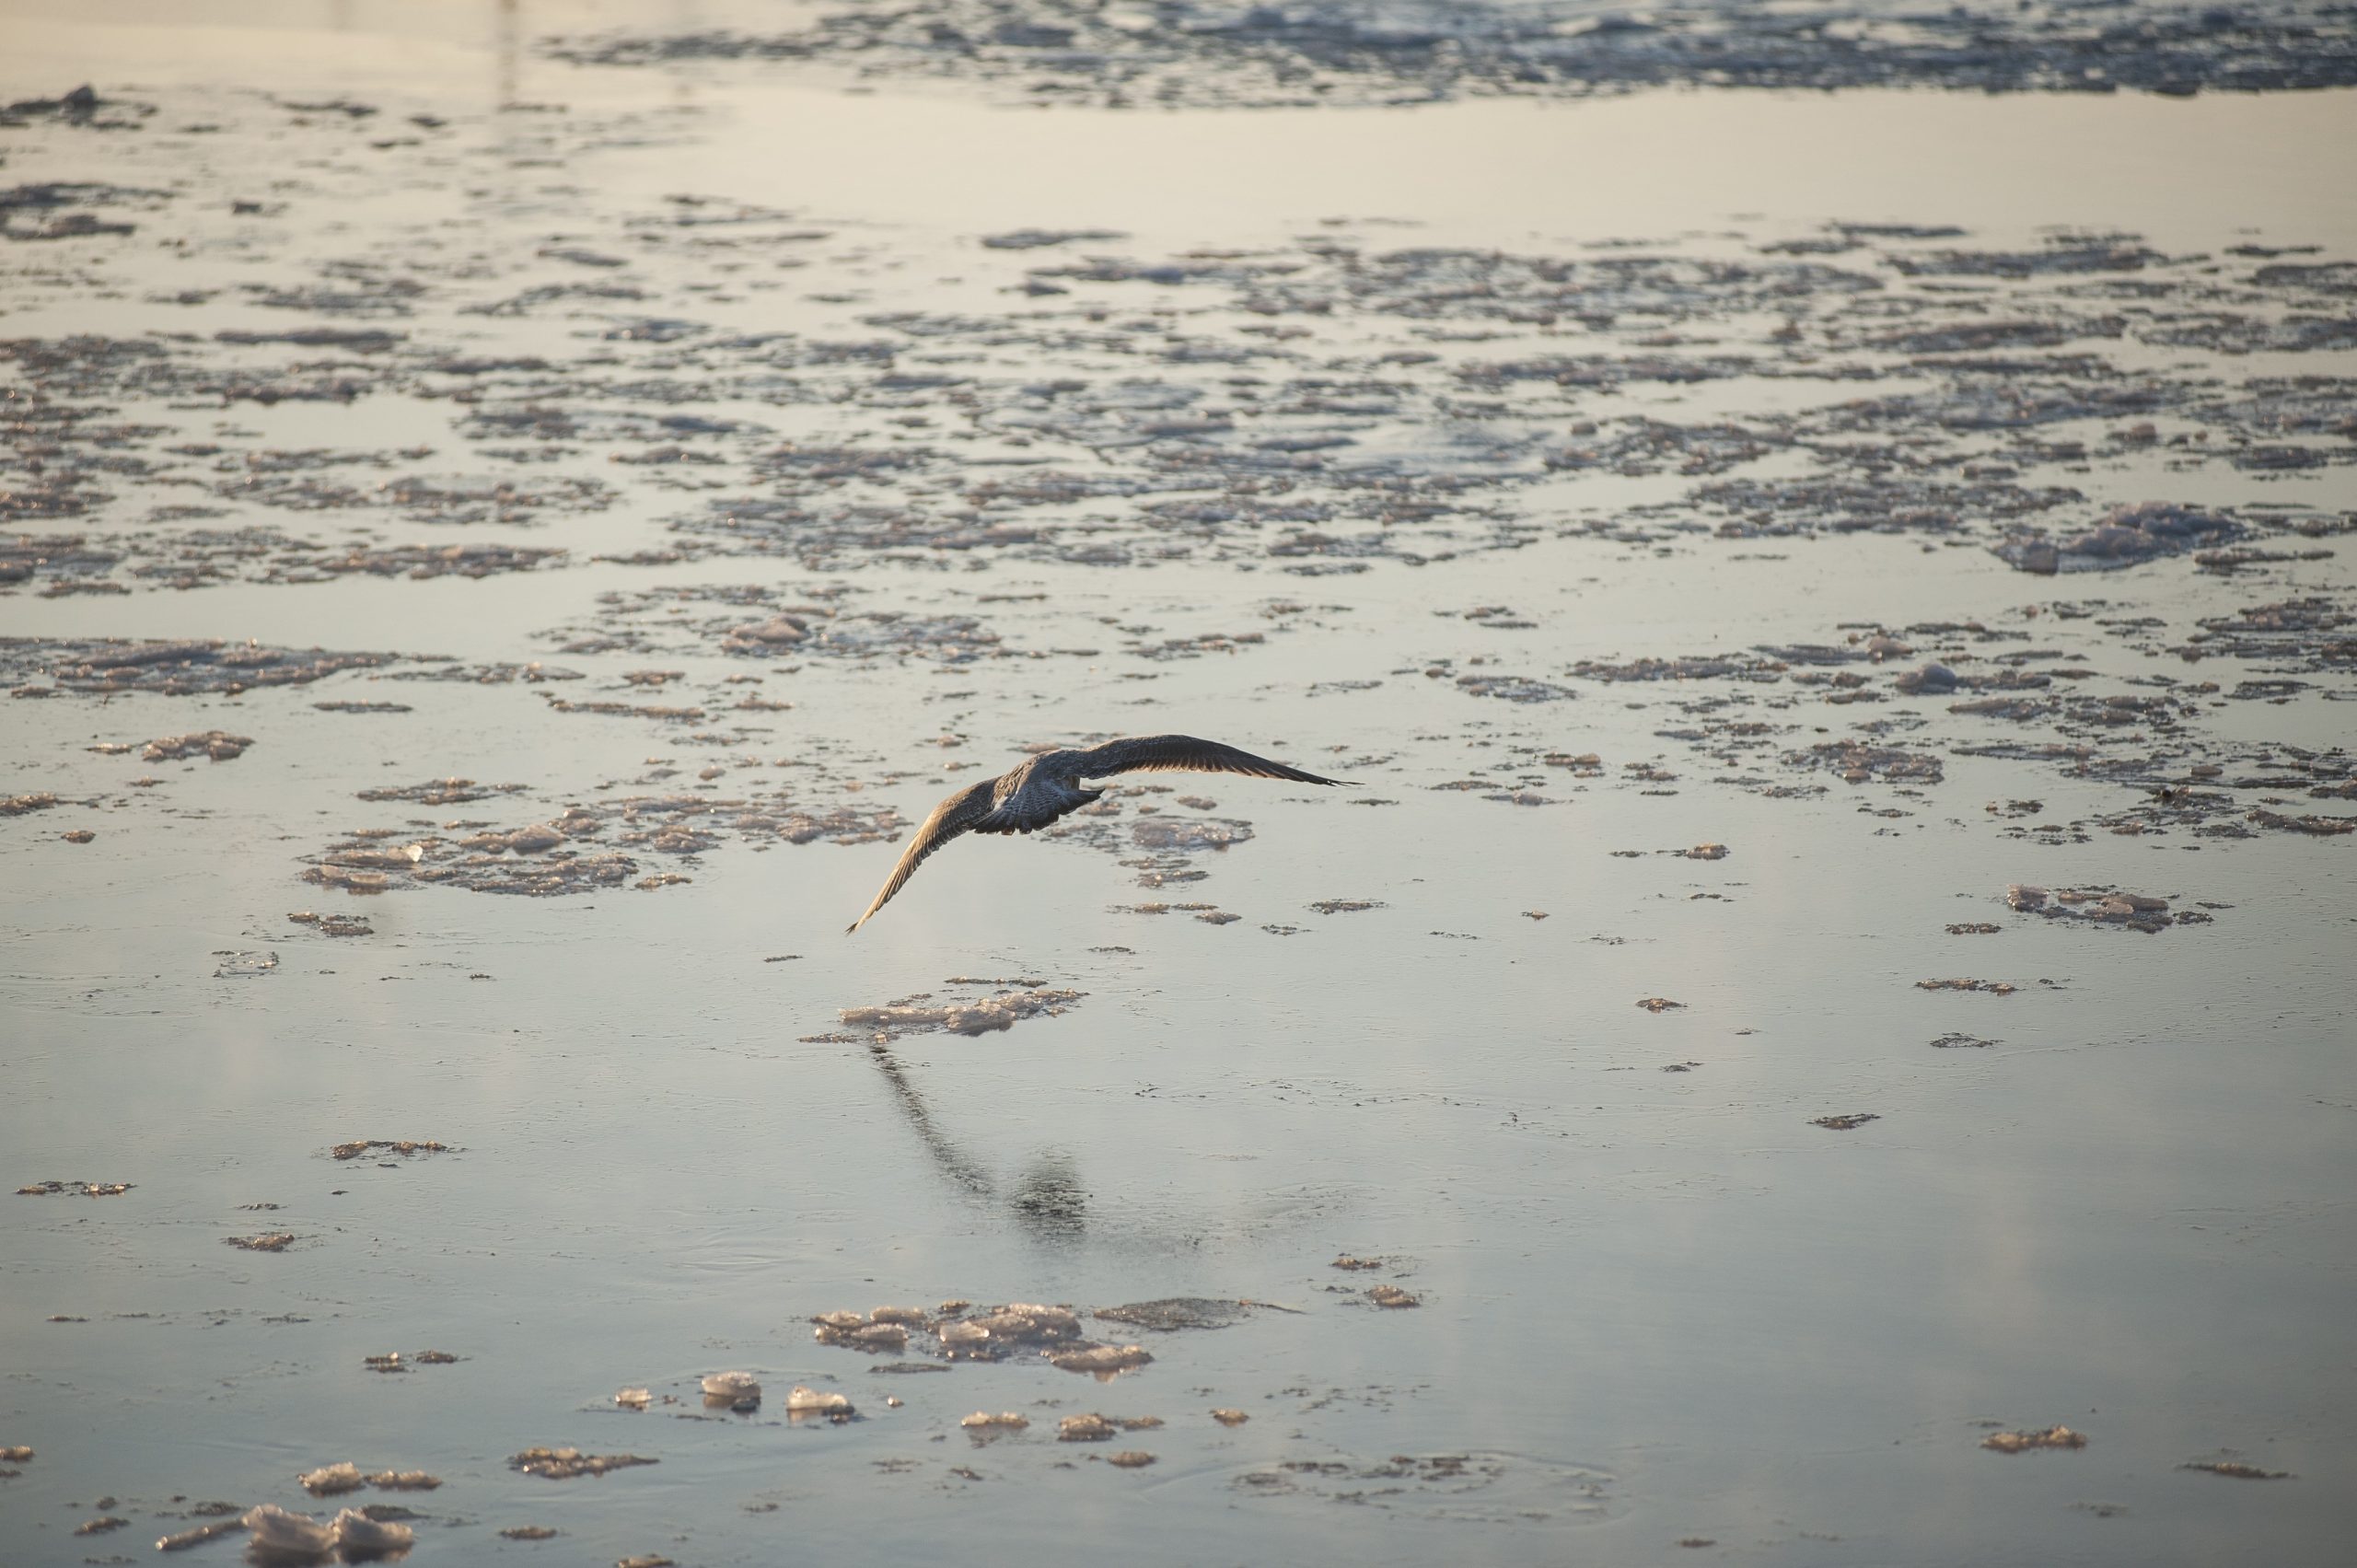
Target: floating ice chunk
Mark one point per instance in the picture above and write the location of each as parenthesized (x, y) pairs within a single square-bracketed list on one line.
[(199, 1535), (2020, 1442), (330, 1480), (801, 1400), (2126, 536), (1008, 1421), (732, 1387), (1045, 1320), (1230, 1417), (358, 1537), (280, 1536), (1185, 837), (1099, 1358), (1173, 1313), (1130, 1459), (1035, 238), (533, 839), (908, 1316), (2236, 1469), (1932, 677), (779, 630), (219, 745), (1083, 1428), (403, 1146), (1391, 1295), (276, 1241), (634, 1398), (563, 1464), (981, 1016)]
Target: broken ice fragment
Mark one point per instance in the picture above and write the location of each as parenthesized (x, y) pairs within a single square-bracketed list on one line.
[(801, 1400), (199, 1535), (732, 1389), (1099, 1358), (2020, 1442), (278, 1534), (2236, 1469), (563, 1464), (219, 745), (330, 1480), (359, 1537)]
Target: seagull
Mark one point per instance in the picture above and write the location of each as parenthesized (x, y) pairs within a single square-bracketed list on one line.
[(1045, 787)]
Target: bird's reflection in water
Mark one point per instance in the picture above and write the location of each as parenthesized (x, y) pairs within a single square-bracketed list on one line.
[(1048, 1199)]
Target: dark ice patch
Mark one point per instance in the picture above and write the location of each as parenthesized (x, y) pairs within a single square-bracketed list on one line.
[(1174, 1313), (2128, 535)]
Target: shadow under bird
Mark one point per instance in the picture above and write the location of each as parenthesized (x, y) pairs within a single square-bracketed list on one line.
[(1046, 786)]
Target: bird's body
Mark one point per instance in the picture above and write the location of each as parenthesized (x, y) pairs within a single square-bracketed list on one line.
[(1042, 788)]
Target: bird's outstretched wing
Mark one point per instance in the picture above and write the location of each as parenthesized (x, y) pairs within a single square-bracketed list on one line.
[(952, 817), (1182, 753)]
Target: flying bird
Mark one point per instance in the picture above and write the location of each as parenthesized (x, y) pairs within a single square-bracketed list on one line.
[(1046, 786)]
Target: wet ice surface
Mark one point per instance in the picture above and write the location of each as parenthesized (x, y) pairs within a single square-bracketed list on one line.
[(1835, 964)]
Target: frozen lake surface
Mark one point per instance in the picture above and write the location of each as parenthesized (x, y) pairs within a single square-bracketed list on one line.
[(1835, 608)]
